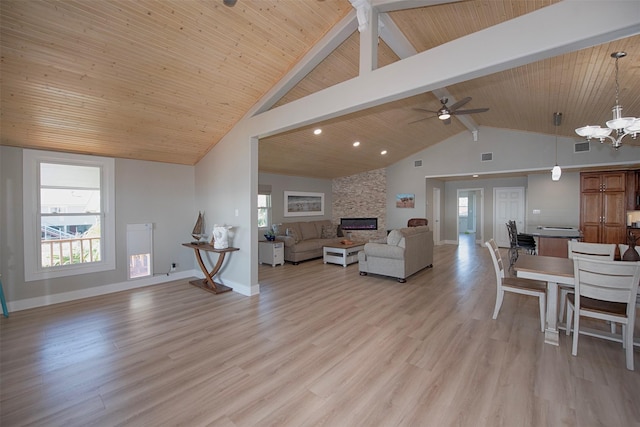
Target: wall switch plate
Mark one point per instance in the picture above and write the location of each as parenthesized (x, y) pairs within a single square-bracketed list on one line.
[(536, 211)]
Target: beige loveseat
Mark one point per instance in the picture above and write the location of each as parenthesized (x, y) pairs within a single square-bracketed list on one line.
[(407, 251), (304, 240)]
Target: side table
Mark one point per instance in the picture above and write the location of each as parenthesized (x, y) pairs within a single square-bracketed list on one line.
[(207, 283), (271, 252)]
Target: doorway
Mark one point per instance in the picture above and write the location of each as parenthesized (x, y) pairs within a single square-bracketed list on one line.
[(508, 204), (469, 218)]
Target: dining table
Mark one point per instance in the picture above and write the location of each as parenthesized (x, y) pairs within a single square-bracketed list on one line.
[(554, 271)]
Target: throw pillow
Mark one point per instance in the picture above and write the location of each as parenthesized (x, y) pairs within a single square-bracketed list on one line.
[(394, 238), (292, 233), (279, 229), (328, 232)]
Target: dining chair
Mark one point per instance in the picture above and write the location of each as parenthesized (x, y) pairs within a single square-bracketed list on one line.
[(601, 251), (604, 290), (517, 242), (516, 285), (623, 248)]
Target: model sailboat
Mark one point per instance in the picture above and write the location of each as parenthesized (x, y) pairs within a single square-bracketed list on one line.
[(198, 231)]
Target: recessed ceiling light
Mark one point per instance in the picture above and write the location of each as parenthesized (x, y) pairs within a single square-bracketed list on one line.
[(355, 144), (317, 131), (383, 152)]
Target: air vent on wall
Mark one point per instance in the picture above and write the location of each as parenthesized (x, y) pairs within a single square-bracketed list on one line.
[(487, 157), (417, 163), (581, 147)]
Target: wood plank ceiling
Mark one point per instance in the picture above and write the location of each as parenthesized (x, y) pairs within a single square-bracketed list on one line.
[(166, 80)]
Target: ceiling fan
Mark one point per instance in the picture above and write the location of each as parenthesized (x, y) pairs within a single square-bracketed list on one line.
[(445, 112)]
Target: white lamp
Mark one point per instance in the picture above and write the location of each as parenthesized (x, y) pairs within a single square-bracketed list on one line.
[(556, 172)]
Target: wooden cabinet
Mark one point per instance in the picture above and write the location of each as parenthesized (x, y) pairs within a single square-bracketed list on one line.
[(633, 190), (603, 206)]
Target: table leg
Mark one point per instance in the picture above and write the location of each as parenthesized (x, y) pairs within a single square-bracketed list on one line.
[(207, 283), (551, 332)]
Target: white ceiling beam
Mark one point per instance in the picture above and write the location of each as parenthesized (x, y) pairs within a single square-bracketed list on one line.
[(569, 25), (391, 5), (334, 38), (397, 41)]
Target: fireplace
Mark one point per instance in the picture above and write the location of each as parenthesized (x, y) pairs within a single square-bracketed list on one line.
[(359, 223)]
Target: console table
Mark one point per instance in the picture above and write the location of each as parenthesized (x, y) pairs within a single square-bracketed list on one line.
[(207, 283)]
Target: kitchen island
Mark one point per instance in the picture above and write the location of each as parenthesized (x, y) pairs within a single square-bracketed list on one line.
[(552, 241)]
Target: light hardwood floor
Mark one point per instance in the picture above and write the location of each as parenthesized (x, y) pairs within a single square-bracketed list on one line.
[(320, 345)]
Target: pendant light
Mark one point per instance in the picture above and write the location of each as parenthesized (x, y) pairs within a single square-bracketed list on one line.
[(556, 172)]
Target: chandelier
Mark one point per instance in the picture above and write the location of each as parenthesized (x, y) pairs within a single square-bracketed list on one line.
[(622, 126)]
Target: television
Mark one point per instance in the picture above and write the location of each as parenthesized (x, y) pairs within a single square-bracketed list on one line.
[(359, 223)]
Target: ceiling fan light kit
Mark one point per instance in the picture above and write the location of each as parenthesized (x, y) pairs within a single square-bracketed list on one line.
[(445, 112), (622, 125)]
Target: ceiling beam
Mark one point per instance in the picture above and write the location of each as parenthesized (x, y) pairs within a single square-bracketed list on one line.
[(391, 5), (334, 38), (396, 40), (569, 25)]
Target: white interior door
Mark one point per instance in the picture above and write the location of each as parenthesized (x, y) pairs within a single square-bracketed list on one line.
[(508, 204), (436, 216)]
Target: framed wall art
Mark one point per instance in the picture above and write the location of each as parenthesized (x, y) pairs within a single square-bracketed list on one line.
[(297, 203), (404, 200)]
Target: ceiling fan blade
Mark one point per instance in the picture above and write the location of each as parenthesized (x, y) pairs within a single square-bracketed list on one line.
[(459, 104), (419, 120), (425, 110), (472, 111)]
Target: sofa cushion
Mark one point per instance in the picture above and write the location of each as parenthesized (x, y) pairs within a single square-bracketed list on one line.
[(394, 237), (380, 250), (291, 232), (329, 232), (309, 231)]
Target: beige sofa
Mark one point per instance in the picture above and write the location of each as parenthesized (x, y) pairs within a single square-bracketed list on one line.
[(304, 240), (406, 251)]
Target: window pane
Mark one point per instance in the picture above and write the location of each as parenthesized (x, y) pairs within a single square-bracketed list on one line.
[(67, 193), (68, 240), (64, 200)]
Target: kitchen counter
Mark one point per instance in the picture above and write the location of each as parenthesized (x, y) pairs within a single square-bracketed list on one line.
[(552, 241), (554, 232)]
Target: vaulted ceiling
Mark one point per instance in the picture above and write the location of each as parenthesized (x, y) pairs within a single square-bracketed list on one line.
[(165, 80)]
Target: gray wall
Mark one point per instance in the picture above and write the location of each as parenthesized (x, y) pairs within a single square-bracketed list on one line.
[(162, 194), (558, 202), (281, 183)]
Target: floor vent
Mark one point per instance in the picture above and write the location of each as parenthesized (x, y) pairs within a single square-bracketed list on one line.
[(581, 147), (417, 163), (486, 157)]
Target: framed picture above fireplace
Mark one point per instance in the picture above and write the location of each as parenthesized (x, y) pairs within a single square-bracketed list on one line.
[(297, 203)]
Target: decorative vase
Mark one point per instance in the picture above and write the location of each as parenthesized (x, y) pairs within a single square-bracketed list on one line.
[(270, 237), (631, 254)]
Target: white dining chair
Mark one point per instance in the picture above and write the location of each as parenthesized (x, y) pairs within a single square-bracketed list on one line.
[(516, 285), (604, 290), (601, 251)]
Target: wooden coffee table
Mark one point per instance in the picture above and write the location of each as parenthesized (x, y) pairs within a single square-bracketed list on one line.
[(342, 254)]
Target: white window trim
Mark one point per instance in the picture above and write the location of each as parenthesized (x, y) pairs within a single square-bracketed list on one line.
[(31, 160)]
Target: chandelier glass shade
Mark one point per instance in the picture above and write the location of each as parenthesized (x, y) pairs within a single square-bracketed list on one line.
[(622, 126)]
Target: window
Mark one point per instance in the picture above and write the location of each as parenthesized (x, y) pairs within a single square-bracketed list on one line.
[(264, 210), (463, 207), (69, 225)]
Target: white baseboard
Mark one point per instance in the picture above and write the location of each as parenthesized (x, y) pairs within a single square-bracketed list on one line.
[(45, 300)]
